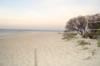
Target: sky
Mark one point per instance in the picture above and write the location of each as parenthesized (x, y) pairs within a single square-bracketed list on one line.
[(43, 13)]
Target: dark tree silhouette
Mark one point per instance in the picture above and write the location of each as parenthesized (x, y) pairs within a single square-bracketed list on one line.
[(76, 24), (82, 23)]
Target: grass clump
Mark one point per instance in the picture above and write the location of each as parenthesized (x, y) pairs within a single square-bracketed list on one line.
[(93, 52), (69, 35), (85, 48), (98, 43), (83, 43)]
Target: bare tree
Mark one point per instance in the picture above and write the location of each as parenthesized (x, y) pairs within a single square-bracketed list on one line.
[(79, 24)]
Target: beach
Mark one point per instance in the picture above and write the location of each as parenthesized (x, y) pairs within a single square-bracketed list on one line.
[(17, 49)]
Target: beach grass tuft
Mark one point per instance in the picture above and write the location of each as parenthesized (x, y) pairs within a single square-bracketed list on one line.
[(98, 43), (69, 36), (83, 43)]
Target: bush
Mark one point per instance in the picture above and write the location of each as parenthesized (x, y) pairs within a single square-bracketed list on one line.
[(69, 35), (79, 24)]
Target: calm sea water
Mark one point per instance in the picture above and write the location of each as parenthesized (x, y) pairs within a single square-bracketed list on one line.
[(6, 32)]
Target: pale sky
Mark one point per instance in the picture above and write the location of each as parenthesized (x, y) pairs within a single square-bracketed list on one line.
[(43, 13)]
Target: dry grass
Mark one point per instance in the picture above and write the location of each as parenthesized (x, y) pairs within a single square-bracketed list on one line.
[(69, 35), (83, 43), (98, 43)]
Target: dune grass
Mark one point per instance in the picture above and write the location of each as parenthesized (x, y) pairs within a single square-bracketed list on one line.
[(98, 42), (83, 43), (69, 35)]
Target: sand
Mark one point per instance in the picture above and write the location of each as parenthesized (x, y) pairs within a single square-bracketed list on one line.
[(18, 50)]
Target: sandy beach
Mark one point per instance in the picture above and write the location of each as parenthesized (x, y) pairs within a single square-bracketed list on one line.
[(18, 50)]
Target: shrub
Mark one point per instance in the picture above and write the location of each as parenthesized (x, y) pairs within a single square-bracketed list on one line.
[(69, 35), (79, 24)]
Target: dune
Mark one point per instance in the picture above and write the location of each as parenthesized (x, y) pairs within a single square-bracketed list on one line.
[(18, 50)]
